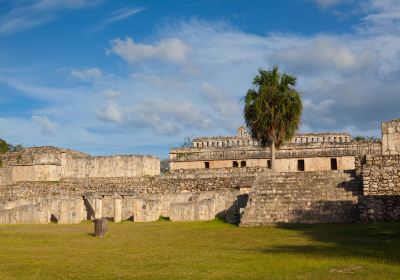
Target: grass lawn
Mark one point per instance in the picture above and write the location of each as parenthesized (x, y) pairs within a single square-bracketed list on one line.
[(200, 250)]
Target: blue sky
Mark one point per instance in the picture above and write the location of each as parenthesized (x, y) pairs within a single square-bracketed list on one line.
[(124, 77)]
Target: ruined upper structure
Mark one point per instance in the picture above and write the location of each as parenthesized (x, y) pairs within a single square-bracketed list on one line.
[(52, 164), (243, 138), (391, 137), (305, 152)]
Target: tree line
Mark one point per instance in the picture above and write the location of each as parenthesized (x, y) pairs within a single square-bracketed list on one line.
[(8, 147)]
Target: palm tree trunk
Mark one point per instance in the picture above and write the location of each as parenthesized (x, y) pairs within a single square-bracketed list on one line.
[(273, 163)]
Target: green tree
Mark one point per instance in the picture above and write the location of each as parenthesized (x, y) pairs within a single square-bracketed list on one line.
[(4, 146), (272, 109)]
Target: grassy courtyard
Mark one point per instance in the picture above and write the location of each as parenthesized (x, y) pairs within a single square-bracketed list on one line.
[(200, 250)]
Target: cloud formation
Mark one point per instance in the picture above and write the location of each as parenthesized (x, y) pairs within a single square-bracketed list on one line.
[(329, 3), (171, 49), (86, 74), (118, 15), (110, 113), (29, 14), (45, 125)]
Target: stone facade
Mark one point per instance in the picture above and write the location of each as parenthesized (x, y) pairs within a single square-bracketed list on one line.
[(109, 166), (391, 137), (381, 187), (54, 164), (305, 152), (178, 195)]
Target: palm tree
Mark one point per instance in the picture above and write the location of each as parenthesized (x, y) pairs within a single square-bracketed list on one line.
[(272, 109)]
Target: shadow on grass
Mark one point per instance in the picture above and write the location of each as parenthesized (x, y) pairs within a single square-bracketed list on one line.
[(379, 242)]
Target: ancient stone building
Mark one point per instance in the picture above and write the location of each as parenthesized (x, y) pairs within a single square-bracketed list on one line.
[(47, 184), (305, 152)]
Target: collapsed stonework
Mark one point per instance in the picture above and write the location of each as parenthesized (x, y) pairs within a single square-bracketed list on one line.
[(47, 184)]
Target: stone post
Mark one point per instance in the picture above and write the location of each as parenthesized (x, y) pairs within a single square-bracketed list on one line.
[(117, 208), (64, 212), (98, 208), (100, 227)]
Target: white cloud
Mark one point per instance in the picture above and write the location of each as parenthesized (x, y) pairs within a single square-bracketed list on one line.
[(327, 52), (86, 74), (220, 101), (46, 126), (30, 14), (110, 113), (112, 93), (329, 3), (171, 49), (118, 15), (383, 16)]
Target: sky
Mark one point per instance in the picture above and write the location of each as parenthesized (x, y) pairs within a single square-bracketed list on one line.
[(137, 77)]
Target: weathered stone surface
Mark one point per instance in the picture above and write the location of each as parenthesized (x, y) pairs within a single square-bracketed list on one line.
[(54, 164), (315, 149), (391, 137), (100, 227), (309, 197)]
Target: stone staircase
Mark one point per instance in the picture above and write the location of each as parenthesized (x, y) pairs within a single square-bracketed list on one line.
[(303, 197)]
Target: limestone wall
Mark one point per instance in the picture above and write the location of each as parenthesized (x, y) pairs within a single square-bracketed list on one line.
[(52, 164), (42, 172), (381, 175), (43, 210), (308, 197), (172, 183), (381, 188), (282, 164), (180, 195), (379, 208), (391, 137), (5, 176), (45, 155), (112, 166), (193, 158)]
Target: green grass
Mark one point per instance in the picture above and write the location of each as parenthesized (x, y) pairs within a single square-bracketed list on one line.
[(200, 250)]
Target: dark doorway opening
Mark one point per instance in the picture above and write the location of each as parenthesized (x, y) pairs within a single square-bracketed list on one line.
[(269, 164), (235, 164), (53, 219), (243, 163), (300, 165), (206, 165), (333, 164)]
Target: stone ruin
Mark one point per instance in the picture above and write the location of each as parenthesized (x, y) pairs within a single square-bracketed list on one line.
[(47, 184)]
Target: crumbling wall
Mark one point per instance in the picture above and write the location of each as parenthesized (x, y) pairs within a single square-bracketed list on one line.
[(391, 137), (381, 189), (37, 155), (142, 198), (43, 172), (381, 175), (110, 166), (5, 176)]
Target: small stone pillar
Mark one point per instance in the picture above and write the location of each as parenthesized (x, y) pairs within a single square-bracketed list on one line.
[(64, 212), (100, 227), (98, 208), (117, 209)]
